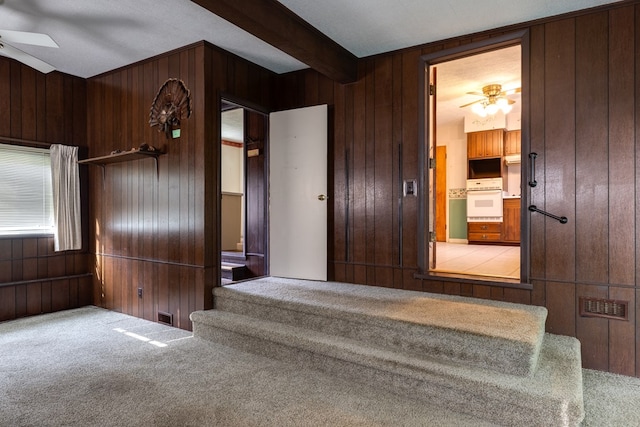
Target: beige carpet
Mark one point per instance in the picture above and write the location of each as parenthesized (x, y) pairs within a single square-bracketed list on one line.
[(92, 367)]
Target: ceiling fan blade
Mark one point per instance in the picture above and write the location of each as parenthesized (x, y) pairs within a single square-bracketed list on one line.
[(33, 62), (512, 91), (476, 93), (471, 103), (23, 37)]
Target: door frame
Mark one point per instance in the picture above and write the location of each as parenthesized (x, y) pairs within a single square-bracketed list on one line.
[(224, 97), (424, 64)]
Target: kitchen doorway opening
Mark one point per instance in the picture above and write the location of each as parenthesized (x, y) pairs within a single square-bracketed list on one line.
[(474, 110)]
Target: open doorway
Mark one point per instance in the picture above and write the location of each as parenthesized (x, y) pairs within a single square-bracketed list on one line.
[(473, 113), (232, 181), (243, 191)]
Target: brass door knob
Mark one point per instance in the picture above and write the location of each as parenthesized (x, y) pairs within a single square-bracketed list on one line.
[(322, 197)]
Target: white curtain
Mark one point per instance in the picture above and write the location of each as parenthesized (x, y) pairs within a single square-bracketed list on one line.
[(65, 180)]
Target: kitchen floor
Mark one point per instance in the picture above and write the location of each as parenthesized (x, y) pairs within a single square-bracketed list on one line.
[(482, 260)]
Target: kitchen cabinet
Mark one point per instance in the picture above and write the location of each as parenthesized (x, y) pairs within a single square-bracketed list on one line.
[(511, 220), (512, 142), (485, 144), (484, 232)]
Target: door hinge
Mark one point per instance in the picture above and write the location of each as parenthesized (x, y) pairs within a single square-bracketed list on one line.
[(432, 163), (432, 90)]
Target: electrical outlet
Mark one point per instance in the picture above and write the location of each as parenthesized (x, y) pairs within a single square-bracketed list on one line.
[(139, 292)]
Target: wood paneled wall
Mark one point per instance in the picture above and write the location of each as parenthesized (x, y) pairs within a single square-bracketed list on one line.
[(38, 110), (155, 229), (34, 279), (583, 123)]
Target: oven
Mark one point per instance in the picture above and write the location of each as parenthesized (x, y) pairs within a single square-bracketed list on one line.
[(484, 200)]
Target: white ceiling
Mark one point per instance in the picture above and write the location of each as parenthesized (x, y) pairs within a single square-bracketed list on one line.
[(458, 77), (99, 36)]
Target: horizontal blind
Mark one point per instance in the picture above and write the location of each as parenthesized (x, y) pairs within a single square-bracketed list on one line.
[(25, 191)]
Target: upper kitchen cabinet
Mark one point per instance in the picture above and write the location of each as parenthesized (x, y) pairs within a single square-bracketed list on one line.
[(485, 144), (512, 142)]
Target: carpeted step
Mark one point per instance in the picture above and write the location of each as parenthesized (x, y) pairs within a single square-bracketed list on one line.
[(501, 337), (552, 396)]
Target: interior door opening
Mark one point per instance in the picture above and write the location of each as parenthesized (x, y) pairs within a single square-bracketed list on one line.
[(473, 112), (243, 216), (232, 181)]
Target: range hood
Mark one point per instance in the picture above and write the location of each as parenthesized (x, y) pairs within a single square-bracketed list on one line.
[(513, 159)]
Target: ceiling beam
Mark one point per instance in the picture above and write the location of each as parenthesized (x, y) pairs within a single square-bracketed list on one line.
[(273, 23)]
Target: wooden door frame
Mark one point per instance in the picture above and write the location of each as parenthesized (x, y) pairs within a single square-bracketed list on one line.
[(441, 193), (425, 62), (246, 255)]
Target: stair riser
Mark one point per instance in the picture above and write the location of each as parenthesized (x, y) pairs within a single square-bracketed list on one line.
[(235, 274), (500, 356), (504, 407)]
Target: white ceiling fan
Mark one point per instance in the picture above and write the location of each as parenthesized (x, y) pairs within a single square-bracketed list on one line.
[(8, 37)]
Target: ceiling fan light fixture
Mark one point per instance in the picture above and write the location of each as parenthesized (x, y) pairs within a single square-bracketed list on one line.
[(479, 109), (492, 109), (494, 100)]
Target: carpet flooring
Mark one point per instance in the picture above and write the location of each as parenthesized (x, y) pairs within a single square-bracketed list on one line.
[(93, 367)]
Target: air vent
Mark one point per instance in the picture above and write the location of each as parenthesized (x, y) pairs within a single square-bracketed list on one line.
[(166, 318), (610, 309)]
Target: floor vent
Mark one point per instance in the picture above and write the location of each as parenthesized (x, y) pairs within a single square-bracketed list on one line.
[(166, 318), (611, 309)]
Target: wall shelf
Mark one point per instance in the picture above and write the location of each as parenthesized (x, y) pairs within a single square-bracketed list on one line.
[(124, 156)]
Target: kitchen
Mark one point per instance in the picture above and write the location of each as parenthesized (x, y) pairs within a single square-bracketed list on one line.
[(478, 126)]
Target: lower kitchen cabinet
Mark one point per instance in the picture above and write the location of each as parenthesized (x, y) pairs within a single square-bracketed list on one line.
[(511, 218), (506, 232), (484, 232)]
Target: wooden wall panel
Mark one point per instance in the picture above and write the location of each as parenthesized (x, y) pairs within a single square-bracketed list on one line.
[(622, 143), (622, 355), (591, 220), (39, 110), (583, 121), (156, 227), (593, 332)]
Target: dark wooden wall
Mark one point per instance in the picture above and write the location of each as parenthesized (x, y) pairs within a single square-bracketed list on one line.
[(583, 125), (156, 229), (38, 110)]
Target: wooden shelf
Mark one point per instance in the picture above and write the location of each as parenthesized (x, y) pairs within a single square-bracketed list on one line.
[(125, 156)]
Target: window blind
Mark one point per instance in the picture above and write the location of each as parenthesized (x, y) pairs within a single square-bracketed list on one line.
[(25, 191)]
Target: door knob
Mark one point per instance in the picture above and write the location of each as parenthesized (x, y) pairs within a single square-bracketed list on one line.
[(322, 197)]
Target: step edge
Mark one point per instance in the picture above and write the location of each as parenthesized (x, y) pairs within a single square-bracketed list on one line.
[(307, 336)]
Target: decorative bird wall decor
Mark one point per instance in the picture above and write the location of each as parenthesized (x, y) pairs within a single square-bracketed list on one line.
[(171, 104)]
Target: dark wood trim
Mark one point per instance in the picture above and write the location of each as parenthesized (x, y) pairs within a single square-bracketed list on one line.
[(25, 142), (272, 22), (232, 143), (48, 279), (153, 261), (461, 278)]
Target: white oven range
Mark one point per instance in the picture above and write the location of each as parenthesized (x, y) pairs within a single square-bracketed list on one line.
[(484, 200)]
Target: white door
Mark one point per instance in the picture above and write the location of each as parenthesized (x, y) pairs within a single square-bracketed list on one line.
[(297, 193)]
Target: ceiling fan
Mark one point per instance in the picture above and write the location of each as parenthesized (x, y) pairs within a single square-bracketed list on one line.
[(8, 37), (493, 94)]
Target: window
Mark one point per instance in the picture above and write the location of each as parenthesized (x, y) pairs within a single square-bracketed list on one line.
[(26, 202)]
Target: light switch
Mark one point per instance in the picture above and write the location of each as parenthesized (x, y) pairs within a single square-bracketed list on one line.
[(410, 188)]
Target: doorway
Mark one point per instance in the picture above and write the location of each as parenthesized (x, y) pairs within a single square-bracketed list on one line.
[(232, 171), (481, 142), (243, 190)]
